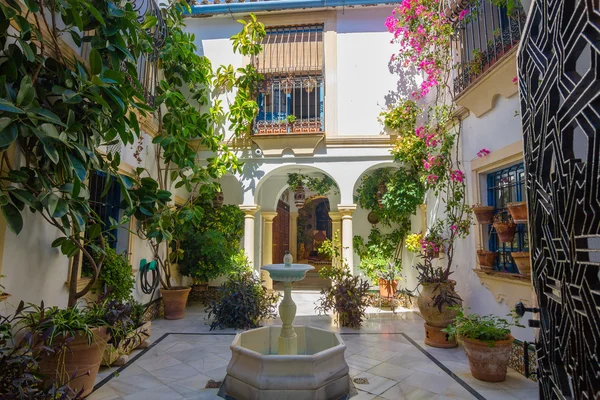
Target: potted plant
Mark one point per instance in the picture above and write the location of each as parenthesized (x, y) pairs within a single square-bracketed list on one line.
[(79, 335), (290, 121), (486, 259), (487, 341), (523, 261), (127, 330), (20, 357), (518, 211), (505, 227), (436, 301), (3, 294), (432, 243), (483, 214)]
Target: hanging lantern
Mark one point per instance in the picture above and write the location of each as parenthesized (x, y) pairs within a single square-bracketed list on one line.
[(218, 199), (380, 192), (299, 196), (373, 218)]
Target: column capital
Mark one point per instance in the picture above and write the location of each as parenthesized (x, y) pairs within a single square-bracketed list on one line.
[(335, 215), (249, 209), (268, 216), (346, 210)]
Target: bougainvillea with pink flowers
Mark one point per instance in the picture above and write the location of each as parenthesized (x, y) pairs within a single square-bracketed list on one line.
[(423, 34)]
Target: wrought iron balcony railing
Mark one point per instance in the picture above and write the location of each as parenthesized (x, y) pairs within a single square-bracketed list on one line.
[(485, 33)]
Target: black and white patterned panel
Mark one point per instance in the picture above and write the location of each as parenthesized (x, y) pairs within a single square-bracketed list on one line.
[(560, 106)]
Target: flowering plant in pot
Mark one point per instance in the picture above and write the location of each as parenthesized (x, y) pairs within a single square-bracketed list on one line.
[(487, 341), (505, 227), (486, 259)]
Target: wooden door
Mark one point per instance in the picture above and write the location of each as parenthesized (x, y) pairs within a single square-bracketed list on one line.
[(281, 232)]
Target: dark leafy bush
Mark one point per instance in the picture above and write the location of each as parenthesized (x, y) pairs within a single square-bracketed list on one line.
[(242, 304), (20, 377), (348, 295), (115, 277)]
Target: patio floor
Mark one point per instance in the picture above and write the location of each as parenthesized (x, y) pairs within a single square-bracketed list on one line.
[(388, 350)]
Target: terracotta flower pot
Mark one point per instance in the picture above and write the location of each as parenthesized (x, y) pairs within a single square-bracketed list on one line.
[(486, 259), (523, 261), (484, 214), (518, 211), (488, 363), (387, 288), (430, 312), (79, 358), (175, 300), (505, 231)]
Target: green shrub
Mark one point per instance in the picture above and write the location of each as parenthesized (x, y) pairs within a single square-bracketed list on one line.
[(242, 304), (116, 276), (487, 328)]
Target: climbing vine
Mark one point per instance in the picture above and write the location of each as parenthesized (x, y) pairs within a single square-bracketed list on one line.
[(321, 186)]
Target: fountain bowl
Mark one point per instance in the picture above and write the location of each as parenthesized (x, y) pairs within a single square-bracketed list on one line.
[(318, 372), (281, 273)]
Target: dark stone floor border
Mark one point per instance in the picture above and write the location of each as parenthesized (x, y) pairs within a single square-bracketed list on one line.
[(411, 341)]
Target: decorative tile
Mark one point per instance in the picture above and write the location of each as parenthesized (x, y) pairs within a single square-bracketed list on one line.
[(377, 384)]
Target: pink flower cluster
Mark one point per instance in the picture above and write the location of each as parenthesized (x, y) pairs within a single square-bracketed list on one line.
[(483, 152), (432, 161), (432, 179), (463, 14), (457, 175), (416, 26), (429, 245), (515, 80)]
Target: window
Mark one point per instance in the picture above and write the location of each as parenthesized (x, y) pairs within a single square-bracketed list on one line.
[(292, 94), (107, 207), (503, 187)]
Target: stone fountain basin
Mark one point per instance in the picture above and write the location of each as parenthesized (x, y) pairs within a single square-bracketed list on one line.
[(319, 371)]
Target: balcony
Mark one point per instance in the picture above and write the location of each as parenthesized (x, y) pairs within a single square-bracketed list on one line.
[(485, 35)]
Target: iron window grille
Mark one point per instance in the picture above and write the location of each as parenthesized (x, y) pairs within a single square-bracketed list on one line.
[(503, 187), (107, 207), (291, 97), (483, 36)]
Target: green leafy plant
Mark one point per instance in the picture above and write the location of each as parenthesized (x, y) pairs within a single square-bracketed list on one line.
[(290, 119), (348, 294), (116, 277), (401, 118), (487, 328), (380, 256), (208, 245), (322, 186), (242, 304), (19, 363)]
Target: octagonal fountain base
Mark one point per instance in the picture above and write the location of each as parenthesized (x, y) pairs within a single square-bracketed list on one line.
[(319, 370)]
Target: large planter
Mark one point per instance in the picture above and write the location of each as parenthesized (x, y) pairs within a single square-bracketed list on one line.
[(488, 363), (174, 301), (387, 288), (484, 214), (430, 312), (486, 259), (523, 262), (131, 342), (79, 358), (518, 211), (506, 231)]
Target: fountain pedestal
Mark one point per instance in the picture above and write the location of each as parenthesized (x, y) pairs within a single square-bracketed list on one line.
[(288, 340)]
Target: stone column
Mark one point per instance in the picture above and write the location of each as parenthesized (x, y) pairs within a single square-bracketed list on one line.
[(249, 212), (294, 235), (267, 246), (336, 224), (347, 234)]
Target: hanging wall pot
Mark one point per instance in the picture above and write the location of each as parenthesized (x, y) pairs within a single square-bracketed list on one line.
[(299, 196), (373, 218)]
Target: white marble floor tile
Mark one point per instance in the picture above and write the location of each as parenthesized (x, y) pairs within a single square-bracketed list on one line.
[(104, 393), (404, 391), (206, 394), (174, 373), (208, 362), (189, 385), (391, 371), (497, 394), (151, 362), (129, 385), (158, 393), (361, 363)]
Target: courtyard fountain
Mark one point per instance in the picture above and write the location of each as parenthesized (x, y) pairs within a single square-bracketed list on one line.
[(287, 362)]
